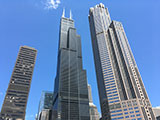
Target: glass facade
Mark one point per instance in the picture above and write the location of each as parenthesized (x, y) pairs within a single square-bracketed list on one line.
[(45, 105), (121, 90), (71, 87), (14, 105)]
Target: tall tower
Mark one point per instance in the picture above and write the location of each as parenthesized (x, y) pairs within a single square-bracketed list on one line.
[(71, 87), (14, 105), (94, 115), (121, 90), (45, 105)]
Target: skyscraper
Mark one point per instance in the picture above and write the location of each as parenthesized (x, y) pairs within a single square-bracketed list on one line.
[(121, 90), (156, 111), (45, 105), (71, 87), (94, 115), (14, 105)]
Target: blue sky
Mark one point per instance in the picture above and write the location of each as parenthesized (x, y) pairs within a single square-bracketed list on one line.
[(29, 22)]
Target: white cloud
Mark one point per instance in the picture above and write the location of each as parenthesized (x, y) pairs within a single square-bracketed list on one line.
[(52, 4)]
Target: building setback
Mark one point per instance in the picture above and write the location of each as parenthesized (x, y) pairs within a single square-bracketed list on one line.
[(121, 90), (71, 87), (14, 105)]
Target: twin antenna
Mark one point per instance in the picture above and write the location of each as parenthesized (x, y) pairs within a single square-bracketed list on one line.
[(63, 15)]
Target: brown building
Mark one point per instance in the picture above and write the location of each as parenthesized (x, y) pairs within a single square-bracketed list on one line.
[(14, 105)]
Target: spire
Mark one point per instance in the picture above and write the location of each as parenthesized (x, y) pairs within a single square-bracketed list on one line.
[(70, 14), (63, 15)]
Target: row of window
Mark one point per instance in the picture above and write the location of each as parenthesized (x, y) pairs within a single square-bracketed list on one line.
[(119, 114), (125, 117), (126, 112), (112, 95), (107, 72), (109, 81), (133, 116), (110, 84), (114, 101), (113, 98), (117, 118), (106, 76), (131, 113), (129, 103), (111, 92), (116, 111), (112, 89), (131, 108)]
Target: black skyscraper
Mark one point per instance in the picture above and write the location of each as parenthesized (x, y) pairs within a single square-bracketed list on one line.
[(71, 98)]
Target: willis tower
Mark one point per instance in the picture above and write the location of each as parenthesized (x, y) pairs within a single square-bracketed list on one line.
[(71, 90)]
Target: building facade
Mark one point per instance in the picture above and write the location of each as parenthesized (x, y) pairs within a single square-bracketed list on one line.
[(45, 105), (94, 115), (158, 118), (121, 90), (45, 114), (14, 105), (156, 111), (71, 87)]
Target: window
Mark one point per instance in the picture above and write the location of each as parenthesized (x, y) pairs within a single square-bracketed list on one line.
[(131, 112), (126, 113), (132, 115), (135, 107), (130, 108), (138, 115), (126, 116)]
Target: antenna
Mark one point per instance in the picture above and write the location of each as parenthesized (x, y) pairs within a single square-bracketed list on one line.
[(63, 15), (70, 14)]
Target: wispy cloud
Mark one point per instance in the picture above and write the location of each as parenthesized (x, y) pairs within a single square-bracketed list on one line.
[(52, 4)]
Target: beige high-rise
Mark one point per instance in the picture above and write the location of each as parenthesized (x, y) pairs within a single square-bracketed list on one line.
[(121, 90)]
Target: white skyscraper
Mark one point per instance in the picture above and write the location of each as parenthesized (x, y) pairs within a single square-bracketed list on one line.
[(121, 90)]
